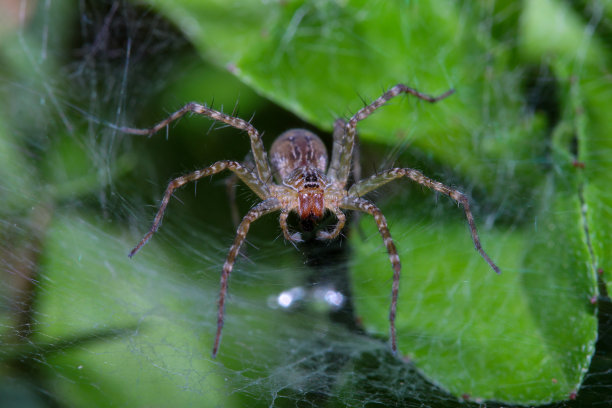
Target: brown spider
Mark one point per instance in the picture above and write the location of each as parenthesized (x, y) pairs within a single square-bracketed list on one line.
[(306, 185)]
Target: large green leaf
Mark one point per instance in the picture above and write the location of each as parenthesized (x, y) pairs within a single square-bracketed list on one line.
[(118, 332), (318, 58), (525, 336), (485, 336), (581, 61), (117, 316)]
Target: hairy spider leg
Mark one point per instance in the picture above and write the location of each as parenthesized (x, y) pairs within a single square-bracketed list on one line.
[(360, 204), (339, 125), (265, 207), (321, 234), (339, 140), (259, 153), (340, 165), (230, 189), (364, 186), (249, 178), (296, 236)]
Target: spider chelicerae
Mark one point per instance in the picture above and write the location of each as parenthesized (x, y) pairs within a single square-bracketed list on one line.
[(307, 185)]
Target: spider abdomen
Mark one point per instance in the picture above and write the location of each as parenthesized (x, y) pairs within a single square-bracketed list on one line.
[(297, 148)]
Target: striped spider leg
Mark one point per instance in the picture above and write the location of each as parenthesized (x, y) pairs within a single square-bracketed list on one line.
[(257, 148), (340, 168), (253, 178), (241, 171), (303, 183), (344, 142), (364, 186), (268, 205), (354, 202)]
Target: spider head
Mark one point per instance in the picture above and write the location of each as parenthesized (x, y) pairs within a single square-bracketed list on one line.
[(310, 184), (310, 208), (297, 148)]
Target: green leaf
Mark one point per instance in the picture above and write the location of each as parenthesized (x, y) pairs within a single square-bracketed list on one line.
[(121, 316), (581, 60), (525, 336), (139, 332), (595, 146), (502, 337), (14, 173), (319, 58), (133, 332)]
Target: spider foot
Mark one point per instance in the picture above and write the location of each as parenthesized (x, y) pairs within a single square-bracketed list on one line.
[(140, 244), (296, 237), (324, 235), (137, 247), (134, 250)]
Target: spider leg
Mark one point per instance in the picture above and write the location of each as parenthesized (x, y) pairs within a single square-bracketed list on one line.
[(230, 189), (356, 160), (242, 172), (340, 165), (338, 147), (321, 235), (360, 204), (296, 236), (339, 141), (259, 153), (265, 207), (364, 186)]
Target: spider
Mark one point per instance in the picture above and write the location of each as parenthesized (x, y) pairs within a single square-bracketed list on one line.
[(307, 185)]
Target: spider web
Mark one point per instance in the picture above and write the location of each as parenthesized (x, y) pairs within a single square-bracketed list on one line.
[(86, 326)]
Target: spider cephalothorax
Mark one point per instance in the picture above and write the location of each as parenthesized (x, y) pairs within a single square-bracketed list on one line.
[(307, 185)]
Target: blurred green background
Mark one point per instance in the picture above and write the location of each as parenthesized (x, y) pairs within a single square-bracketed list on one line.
[(526, 136)]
